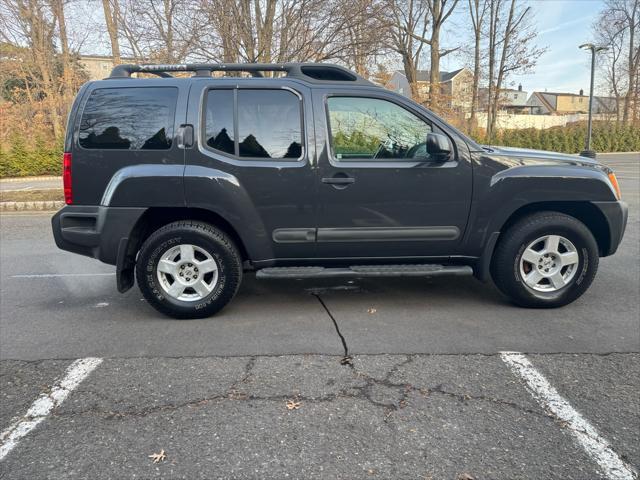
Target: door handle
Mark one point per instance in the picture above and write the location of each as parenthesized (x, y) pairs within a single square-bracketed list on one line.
[(185, 136), (339, 180)]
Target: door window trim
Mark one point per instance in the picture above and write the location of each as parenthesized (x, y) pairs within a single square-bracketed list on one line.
[(386, 163), (237, 159)]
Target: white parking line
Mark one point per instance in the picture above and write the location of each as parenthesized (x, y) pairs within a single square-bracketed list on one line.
[(613, 467), (54, 275), (76, 373)]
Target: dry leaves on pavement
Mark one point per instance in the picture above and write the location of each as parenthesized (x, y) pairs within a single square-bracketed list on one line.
[(293, 404), (158, 457)]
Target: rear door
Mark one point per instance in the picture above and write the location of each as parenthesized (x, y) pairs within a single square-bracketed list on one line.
[(380, 195), (256, 132)]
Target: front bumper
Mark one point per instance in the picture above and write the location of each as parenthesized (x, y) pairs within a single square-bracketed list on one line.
[(94, 231), (615, 214)]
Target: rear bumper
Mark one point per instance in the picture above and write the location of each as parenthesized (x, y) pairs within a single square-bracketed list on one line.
[(615, 213), (94, 231)]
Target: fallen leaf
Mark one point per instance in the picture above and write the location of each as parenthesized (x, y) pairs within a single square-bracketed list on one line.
[(371, 311), (465, 476), (293, 404), (158, 457)]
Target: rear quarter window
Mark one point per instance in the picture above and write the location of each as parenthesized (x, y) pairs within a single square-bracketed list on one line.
[(137, 118)]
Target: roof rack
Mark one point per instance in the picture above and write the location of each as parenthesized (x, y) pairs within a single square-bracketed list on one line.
[(311, 72)]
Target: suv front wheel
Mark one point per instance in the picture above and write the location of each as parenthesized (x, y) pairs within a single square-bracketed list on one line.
[(188, 269), (546, 259)]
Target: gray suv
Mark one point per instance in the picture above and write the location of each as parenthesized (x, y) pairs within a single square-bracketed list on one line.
[(185, 182)]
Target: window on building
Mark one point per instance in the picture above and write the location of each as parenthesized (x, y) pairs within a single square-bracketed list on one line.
[(129, 118), (375, 129)]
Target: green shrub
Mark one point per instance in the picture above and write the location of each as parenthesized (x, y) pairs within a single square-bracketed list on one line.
[(606, 137), (21, 158)]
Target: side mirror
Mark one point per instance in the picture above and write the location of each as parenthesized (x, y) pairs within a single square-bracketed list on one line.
[(438, 147)]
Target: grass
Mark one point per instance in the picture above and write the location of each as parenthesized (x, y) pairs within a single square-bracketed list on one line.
[(31, 195)]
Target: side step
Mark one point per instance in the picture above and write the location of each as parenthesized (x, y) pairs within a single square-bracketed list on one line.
[(426, 270)]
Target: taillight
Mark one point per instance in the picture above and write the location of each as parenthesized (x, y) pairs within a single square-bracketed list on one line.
[(66, 178)]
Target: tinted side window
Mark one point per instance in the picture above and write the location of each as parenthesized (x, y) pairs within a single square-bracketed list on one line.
[(219, 122), (375, 129), (269, 124), (129, 118)]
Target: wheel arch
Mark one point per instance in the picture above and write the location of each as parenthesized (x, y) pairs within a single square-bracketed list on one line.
[(586, 212), (157, 217)]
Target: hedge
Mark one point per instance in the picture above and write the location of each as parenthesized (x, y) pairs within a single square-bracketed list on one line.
[(606, 137), (22, 158), (41, 157)]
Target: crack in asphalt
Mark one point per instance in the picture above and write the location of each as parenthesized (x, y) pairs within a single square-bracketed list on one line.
[(365, 392), (346, 358), (297, 354)]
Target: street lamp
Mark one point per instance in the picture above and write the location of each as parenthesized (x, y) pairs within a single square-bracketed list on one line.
[(587, 152)]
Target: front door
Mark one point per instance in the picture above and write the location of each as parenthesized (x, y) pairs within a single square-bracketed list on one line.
[(380, 195)]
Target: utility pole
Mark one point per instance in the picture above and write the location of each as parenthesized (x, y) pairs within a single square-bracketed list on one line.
[(587, 152)]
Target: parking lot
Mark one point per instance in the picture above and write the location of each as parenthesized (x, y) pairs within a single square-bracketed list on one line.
[(371, 378)]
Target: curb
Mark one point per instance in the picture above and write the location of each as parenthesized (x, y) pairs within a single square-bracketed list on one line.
[(49, 205), (30, 179)]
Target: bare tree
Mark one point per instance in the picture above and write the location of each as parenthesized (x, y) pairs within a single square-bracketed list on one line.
[(30, 24), (165, 31), (511, 49), (438, 12), (406, 34), (292, 30), (618, 27)]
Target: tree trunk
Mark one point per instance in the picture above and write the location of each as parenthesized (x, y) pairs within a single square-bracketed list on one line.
[(434, 74), (57, 8), (501, 69), (476, 75), (111, 20), (634, 59), (492, 60)]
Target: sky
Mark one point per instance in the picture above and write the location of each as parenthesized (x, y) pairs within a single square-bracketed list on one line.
[(562, 26)]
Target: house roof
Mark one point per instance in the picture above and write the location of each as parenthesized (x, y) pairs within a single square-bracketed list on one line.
[(544, 101), (563, 94), (423, 75)]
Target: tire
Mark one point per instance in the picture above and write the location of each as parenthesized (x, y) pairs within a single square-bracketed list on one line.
[(516, 276), (185, 250)]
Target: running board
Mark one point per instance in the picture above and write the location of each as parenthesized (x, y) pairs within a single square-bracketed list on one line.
[(427, 270)]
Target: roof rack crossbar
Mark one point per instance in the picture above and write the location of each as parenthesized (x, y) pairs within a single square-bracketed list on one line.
[(309, 71)]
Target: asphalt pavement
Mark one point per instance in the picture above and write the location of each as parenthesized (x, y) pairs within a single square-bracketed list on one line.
[(262, 390), (27, 183)]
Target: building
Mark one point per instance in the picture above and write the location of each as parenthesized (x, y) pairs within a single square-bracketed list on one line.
[(455, 86), (551, 103), (510, 100), (99, 66), (548, 103)]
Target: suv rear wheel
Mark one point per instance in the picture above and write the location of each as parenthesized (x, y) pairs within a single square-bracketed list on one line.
[(189, 269), (546, 259)]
